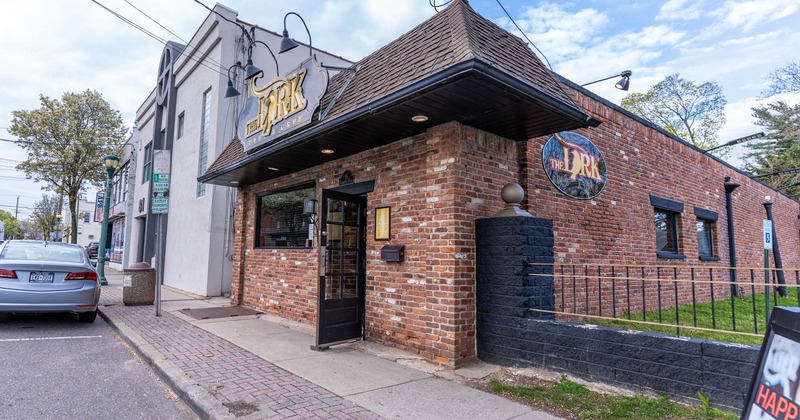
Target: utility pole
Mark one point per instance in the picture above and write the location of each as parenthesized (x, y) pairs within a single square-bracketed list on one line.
[(16, 210)]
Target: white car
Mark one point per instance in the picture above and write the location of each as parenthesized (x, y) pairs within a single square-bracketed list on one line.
[(39, 277)]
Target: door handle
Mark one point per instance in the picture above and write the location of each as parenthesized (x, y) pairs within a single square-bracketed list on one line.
[(323, 261)]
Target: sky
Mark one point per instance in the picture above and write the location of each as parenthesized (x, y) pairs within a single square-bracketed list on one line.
[(53, 46)]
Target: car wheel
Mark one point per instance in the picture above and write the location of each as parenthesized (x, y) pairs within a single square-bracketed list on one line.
[(87, 316)]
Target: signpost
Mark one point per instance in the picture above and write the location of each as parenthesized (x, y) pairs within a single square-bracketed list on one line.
[(159, 206), (768, 239)]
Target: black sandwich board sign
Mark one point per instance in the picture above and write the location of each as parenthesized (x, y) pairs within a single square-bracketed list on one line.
[(775, 388)]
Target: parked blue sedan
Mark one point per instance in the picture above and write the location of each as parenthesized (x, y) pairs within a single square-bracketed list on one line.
[(39, 277)]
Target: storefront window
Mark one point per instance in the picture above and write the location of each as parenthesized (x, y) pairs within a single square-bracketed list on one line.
[(281, 222), (117, 241)]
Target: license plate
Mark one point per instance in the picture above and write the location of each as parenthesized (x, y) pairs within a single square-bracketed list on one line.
[(41, 277)]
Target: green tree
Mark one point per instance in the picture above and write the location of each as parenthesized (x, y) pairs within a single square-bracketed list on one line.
[(779, 154), (11, 226), (692, 112), (783, 80), (29, 230), (44, 214), (66, 140)]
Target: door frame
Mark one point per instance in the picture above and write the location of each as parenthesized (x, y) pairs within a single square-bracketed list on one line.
[(328, 335)]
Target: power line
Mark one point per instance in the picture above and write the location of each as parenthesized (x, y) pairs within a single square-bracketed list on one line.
[(173, 33), (21, 141), (526, 36), (159, 39), (156, 22), (130, 22)]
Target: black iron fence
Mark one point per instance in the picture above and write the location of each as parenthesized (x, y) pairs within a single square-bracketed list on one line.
[(683, 300)]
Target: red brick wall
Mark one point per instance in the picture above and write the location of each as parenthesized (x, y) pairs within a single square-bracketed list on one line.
[(617, 226), (436, 185), (439, 182)]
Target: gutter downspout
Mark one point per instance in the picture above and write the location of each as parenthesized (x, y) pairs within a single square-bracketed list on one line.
[(776, 252), (729, 188)]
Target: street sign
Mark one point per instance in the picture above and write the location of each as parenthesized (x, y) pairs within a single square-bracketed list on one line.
[(160, 205), (768, 239), (161, 170), (161, 161)]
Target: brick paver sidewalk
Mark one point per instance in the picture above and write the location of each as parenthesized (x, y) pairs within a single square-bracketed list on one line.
[(250, 387)]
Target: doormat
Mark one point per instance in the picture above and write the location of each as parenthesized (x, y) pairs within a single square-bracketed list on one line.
[(221, 312)]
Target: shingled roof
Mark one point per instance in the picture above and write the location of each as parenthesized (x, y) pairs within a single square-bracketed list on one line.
[(451, 44)]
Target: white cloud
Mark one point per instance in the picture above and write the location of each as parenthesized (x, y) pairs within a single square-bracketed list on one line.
[(561, 33), (680, 10), (748, 15)]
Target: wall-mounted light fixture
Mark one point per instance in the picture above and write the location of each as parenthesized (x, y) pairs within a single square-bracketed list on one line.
[(310, 209), (288, 43), (250, 70), (622, 84), (737, 141)]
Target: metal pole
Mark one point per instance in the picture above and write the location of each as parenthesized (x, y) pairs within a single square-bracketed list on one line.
[(776, 253), (101, 248), (766, 285), (729, 188), (159, 269)]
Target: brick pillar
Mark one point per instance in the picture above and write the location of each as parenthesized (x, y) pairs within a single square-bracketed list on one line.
[(506, 290)]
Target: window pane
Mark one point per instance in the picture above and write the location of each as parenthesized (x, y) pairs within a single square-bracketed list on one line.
[(704, 238), (205, 124), (282, 222), (666, 230), (146, 165)]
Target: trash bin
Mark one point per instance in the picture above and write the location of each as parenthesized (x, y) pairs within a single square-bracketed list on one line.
[(139, 284)]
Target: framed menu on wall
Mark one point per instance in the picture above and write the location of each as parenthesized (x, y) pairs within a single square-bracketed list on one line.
[(383, 223)]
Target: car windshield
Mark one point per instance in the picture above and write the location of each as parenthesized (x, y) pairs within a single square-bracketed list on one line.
[(42, 252)]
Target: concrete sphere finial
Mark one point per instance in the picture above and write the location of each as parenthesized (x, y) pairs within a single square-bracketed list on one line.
[(512, 193)]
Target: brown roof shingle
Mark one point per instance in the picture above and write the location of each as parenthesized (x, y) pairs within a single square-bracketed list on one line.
[(456, 34)]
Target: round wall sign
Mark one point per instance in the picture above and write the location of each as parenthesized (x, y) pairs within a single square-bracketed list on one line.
[(574, 165)]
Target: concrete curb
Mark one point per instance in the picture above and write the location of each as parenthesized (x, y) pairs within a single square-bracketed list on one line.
[(197, 398)]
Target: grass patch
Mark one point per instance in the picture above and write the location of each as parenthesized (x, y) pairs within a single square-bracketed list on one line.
[(573, 400), (718, 316)]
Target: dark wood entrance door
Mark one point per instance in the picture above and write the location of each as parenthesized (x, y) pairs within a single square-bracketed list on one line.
[(340, 291)]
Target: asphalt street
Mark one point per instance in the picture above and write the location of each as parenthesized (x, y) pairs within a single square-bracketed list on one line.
[(53, 366)]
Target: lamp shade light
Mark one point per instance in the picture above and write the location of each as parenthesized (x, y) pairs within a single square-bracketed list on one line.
[(111, 161), (231, 91), (623, 83), (287, 43), (250, 70)]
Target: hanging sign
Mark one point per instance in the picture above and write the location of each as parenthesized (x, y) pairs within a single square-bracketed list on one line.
[(574, 165), (282, 106), (98, 207)]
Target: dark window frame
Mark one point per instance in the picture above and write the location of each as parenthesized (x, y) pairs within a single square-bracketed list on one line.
[(179, 128), (257, 233), (708, 219), (147, 164), (672, 211)]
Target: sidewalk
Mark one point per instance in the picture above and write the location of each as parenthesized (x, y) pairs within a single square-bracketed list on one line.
[(261, 366)]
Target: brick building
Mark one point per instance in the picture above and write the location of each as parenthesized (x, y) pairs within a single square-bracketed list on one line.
[(415, 144)]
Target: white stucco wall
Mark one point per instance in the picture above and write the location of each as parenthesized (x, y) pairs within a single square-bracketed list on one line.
[(199, 231)]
